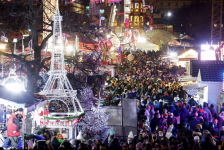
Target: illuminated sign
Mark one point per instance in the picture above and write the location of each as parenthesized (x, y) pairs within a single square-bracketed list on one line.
[(208, 52)]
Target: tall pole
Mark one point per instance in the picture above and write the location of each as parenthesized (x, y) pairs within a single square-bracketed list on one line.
[(23, 45), (15, 53), (216, 23), (3, 62)]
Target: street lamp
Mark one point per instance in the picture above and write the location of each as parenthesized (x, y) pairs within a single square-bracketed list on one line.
[(2, 47), (169, 14)]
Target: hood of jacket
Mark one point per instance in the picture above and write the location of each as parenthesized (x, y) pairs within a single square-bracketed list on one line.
[(197, 133)]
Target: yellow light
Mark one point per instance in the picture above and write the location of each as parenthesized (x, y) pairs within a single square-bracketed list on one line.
[(2, 46)]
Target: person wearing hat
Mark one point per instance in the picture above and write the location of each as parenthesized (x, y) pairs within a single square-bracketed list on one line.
[(172, 120), (183, 113), (130, 138), (110, 137), (13, 128)]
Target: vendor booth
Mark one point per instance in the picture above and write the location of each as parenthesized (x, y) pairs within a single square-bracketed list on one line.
[(16, 103), (61, 122), (199, 91)]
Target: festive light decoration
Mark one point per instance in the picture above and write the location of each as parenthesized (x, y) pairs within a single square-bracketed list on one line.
[(13, 82), (105, 46), (96, 117), (58, 87), (103, 1)]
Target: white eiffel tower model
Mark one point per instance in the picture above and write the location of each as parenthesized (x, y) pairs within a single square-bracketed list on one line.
[(58, 86)]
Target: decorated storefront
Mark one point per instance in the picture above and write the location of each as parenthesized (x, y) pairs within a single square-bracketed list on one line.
[(43, 115), (199, 91)]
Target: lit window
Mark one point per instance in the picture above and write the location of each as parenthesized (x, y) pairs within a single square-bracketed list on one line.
[(87, 7), (141, 18), (136, 21), (136, 5), (131, 18)]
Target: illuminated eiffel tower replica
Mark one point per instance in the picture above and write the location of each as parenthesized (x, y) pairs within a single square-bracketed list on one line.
[(58, 87)]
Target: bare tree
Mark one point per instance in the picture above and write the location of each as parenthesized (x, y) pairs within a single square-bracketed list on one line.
[(29, 14)]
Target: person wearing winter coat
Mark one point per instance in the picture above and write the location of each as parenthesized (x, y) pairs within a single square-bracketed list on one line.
[(206, 109), (213, 112), (193, 122), (157, 121), (184, 132), (171, 108), (167, 98), (205, 124), (222, 108), (172, 120), (183, 113), (220, 120)]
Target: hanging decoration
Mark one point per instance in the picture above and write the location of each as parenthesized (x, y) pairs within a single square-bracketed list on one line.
[(96, 117), (61, 104), (105, 46)]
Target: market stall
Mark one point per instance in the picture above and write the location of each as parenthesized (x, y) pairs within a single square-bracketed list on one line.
[(16, 103), (43, 116), (199, 91)]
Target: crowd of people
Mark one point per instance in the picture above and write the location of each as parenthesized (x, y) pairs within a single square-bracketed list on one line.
[(168, 118)]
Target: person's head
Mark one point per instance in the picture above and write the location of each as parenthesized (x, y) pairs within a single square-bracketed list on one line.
[(131, 146), (165, 115), (154, 135), (124, 147), (171, 115), (144, 133), (47, 134), (184, 125), (8, 114), (158, 115), (171, 126), (183, 105), (215, 121), (160, 133), (212, 106), (205, 105), (219, 144)]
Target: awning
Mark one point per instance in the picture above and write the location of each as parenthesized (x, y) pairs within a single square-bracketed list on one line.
[(194, 86), (24, 98)]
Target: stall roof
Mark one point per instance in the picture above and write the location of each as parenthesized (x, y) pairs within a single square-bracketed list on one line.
[(194, 86), (20, 97)]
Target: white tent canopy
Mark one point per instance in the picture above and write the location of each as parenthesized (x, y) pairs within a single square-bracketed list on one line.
[(145, 46)]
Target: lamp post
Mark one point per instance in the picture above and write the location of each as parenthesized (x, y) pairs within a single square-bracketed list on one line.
[(4, 41), (169, 14), (2, 46), (15, 52)]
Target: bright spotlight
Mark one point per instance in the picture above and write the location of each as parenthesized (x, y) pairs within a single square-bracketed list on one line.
[(173, 54), (108, 36), (15, 87), (141, 39), (169, 14), (69, 48)]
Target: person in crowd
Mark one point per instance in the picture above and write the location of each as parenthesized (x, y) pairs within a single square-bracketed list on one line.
[(183, 113), (193, 122), (207, 111)]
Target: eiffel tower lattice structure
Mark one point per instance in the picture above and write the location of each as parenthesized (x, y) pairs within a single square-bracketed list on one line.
[(58, 89)]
